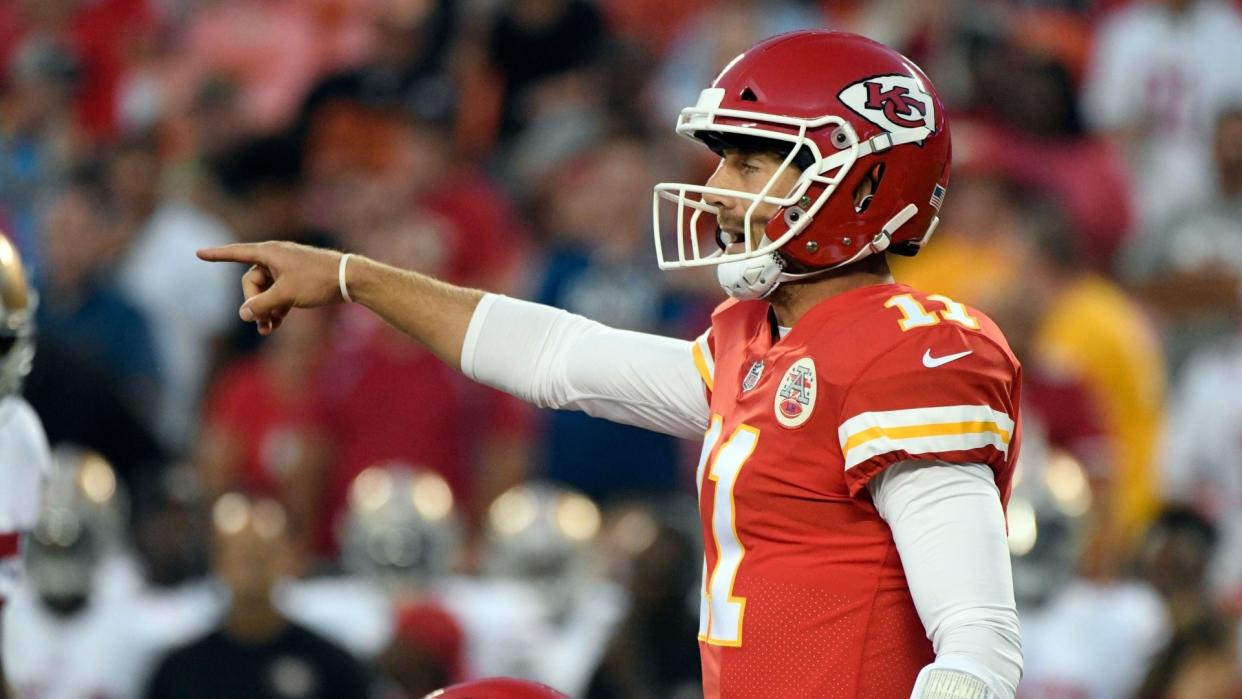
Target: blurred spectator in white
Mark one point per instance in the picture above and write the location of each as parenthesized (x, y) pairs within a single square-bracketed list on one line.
[(1162, 72), (597, 263), (543, 608), (190, 305), (403, 533), (708, 41), (1202, 453), (80, 304), (1190, 271), (83, 625), (1083, 636), (256, 651), (1200, 661), (35, 137)]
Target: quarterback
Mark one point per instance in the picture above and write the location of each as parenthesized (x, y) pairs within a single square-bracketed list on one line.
[(859, 436), (24, 455)]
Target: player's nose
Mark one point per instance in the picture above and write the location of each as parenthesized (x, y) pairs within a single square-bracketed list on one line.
[(719, 182)]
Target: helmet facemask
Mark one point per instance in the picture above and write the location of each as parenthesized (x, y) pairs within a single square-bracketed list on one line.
[(706, 122), (17, 310)]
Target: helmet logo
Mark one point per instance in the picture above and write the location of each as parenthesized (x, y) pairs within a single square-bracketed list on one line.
[(892, 102), (898, 105)]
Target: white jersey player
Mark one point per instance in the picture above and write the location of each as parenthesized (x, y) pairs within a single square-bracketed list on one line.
[(24, 453), (1163, 72)]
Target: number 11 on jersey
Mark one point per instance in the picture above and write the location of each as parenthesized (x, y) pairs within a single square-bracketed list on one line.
[(720, 613)]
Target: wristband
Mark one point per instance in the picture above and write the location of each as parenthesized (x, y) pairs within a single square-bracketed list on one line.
[(340, 277)]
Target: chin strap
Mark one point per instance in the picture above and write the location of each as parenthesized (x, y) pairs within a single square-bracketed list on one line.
[(758, 277)]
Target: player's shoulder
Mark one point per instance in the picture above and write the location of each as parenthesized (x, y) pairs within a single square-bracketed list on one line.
[(20, 422), (899, 329), (22, 435)]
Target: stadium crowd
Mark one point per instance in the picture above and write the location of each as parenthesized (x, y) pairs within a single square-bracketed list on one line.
[(330, 511)]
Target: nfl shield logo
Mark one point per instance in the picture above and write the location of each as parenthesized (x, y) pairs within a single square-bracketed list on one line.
[(752, 376)]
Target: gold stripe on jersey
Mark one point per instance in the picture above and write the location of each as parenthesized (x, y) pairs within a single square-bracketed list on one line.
[(923, 431), (703, 360)]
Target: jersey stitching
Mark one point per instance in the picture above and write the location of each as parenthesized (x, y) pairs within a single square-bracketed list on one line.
[(889, 550)]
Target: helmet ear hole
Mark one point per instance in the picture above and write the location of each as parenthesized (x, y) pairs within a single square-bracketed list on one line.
[(867, 188), (748, 95)]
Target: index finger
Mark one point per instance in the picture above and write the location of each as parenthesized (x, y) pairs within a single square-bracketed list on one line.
[(248, 253)]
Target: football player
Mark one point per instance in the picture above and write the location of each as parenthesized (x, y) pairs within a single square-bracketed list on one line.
[(858, 435), (24, 454)]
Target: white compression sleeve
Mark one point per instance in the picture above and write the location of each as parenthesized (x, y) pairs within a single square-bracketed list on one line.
[(949, 529), (555, 359)]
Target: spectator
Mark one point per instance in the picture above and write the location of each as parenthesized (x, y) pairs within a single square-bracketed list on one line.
[(598, 265), (262, 180), (87, 626), (82, 404), (1032, 135), (258, 434), (406, 70), (650, 654), (1202, 450), (99, 36), (537, 43), (385, 399), (425, 654), (80, 305), (36, 137), (189, 305), (270, 48), (711, 39), (1083, 635), (1200, 660), (1162, 72), (1191, 271), (1088, 328), (256, 651)]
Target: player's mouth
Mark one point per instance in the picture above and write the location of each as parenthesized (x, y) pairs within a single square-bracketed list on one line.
[(731, 240)]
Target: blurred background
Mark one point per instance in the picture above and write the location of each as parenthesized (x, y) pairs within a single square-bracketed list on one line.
[(331, 512)]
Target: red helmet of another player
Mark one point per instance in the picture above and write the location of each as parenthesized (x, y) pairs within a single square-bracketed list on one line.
[(845, 109), (498, 688)]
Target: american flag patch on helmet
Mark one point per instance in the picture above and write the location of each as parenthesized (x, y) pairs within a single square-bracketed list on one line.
[(937, 197)]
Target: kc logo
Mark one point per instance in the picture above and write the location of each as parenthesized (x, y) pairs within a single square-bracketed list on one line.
[(892, 102), (897, 104)]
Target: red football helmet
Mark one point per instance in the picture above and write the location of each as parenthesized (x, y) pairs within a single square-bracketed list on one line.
[(497, 688), (846, 108)]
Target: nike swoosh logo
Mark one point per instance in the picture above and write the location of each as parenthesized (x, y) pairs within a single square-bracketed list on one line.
[(931, 362)]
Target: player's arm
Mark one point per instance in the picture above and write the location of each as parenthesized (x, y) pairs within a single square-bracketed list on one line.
[(538, 353), (926, 437), (949, 528)]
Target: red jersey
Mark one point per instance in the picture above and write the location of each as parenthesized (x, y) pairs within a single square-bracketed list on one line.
[(804, 593)]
